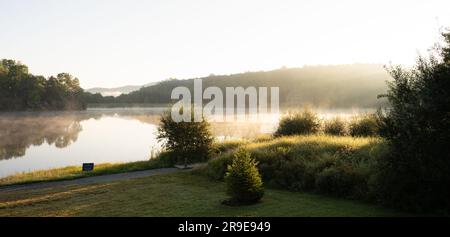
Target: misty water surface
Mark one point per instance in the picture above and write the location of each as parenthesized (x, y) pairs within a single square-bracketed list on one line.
[(41, 140)]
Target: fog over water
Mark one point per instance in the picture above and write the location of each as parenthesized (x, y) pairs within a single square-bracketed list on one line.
[(42, 140)]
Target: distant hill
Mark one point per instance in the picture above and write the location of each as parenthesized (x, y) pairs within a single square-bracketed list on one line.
[(336, 86), (117, 90)]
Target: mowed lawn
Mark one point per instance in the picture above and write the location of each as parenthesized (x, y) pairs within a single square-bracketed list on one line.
[(180, 194)]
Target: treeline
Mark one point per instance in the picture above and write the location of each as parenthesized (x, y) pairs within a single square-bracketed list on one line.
[(340, 86), (21, 90)]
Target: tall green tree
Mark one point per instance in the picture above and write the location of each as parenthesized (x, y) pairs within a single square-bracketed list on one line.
[(21, 90), (417, 126), (187, 141)]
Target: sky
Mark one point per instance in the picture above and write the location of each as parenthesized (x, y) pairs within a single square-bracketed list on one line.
[(110, 43)]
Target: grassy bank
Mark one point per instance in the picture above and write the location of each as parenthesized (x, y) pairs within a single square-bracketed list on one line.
[(331, 165), (277, 156), (74, 172), (181, 194)]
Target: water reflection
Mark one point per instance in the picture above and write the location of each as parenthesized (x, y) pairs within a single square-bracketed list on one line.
[(31, 141), (19, 132)]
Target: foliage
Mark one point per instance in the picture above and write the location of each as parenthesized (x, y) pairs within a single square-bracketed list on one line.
[(364, 126), (417, 126), (168, 195), (315, 163), (21, 90), (335, 126), (227, 145), (298, 123), (340, 86), (242, 179), (187, 141), (342, 181)]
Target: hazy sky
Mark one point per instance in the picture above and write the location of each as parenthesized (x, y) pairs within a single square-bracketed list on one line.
[(111, 43)]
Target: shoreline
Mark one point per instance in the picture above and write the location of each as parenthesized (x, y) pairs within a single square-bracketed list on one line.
[(75, 172)]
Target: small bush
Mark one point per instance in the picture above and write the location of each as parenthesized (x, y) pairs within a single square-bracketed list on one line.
[(165, 159), (300, 123), (335, 127), (226, 146), (341, 181), (217, 167), (242, 179), (364, 126)]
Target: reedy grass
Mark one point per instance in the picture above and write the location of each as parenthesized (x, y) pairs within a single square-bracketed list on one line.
[(317, 163)]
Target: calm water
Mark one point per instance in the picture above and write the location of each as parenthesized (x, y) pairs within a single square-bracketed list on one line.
[(33, 141)]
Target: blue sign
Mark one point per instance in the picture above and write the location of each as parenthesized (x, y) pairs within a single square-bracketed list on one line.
[(88, 166)]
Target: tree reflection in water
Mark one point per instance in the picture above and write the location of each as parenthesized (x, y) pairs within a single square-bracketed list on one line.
[(20, 131)]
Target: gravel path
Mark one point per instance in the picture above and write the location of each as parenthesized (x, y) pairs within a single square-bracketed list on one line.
[(89, 180)]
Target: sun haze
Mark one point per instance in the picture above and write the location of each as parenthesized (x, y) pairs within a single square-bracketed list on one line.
[(114, 43)]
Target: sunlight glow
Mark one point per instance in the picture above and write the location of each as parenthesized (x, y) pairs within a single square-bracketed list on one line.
[(114, 43)]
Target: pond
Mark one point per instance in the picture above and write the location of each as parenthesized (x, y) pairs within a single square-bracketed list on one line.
[(41, 140)]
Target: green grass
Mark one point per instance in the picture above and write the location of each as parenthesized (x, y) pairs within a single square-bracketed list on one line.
[(180, 194), (297, 163), (340, 166), (315, 142), (75, 172)]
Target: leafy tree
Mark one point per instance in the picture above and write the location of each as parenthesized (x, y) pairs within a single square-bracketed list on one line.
[(187, 141), (243, 180), (21, 90), (417, 126)]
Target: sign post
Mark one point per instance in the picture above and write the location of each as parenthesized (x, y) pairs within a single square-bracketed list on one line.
[(88, 166)]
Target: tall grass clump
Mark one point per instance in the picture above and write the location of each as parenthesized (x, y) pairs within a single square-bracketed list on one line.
[(335, 127), (364, 126), (298, 123)]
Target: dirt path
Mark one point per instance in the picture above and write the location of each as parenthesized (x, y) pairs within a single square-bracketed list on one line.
[(89, 180)]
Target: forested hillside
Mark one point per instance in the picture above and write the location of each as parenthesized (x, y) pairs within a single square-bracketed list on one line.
[(341, 86), (356, 85), (21, 90)]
